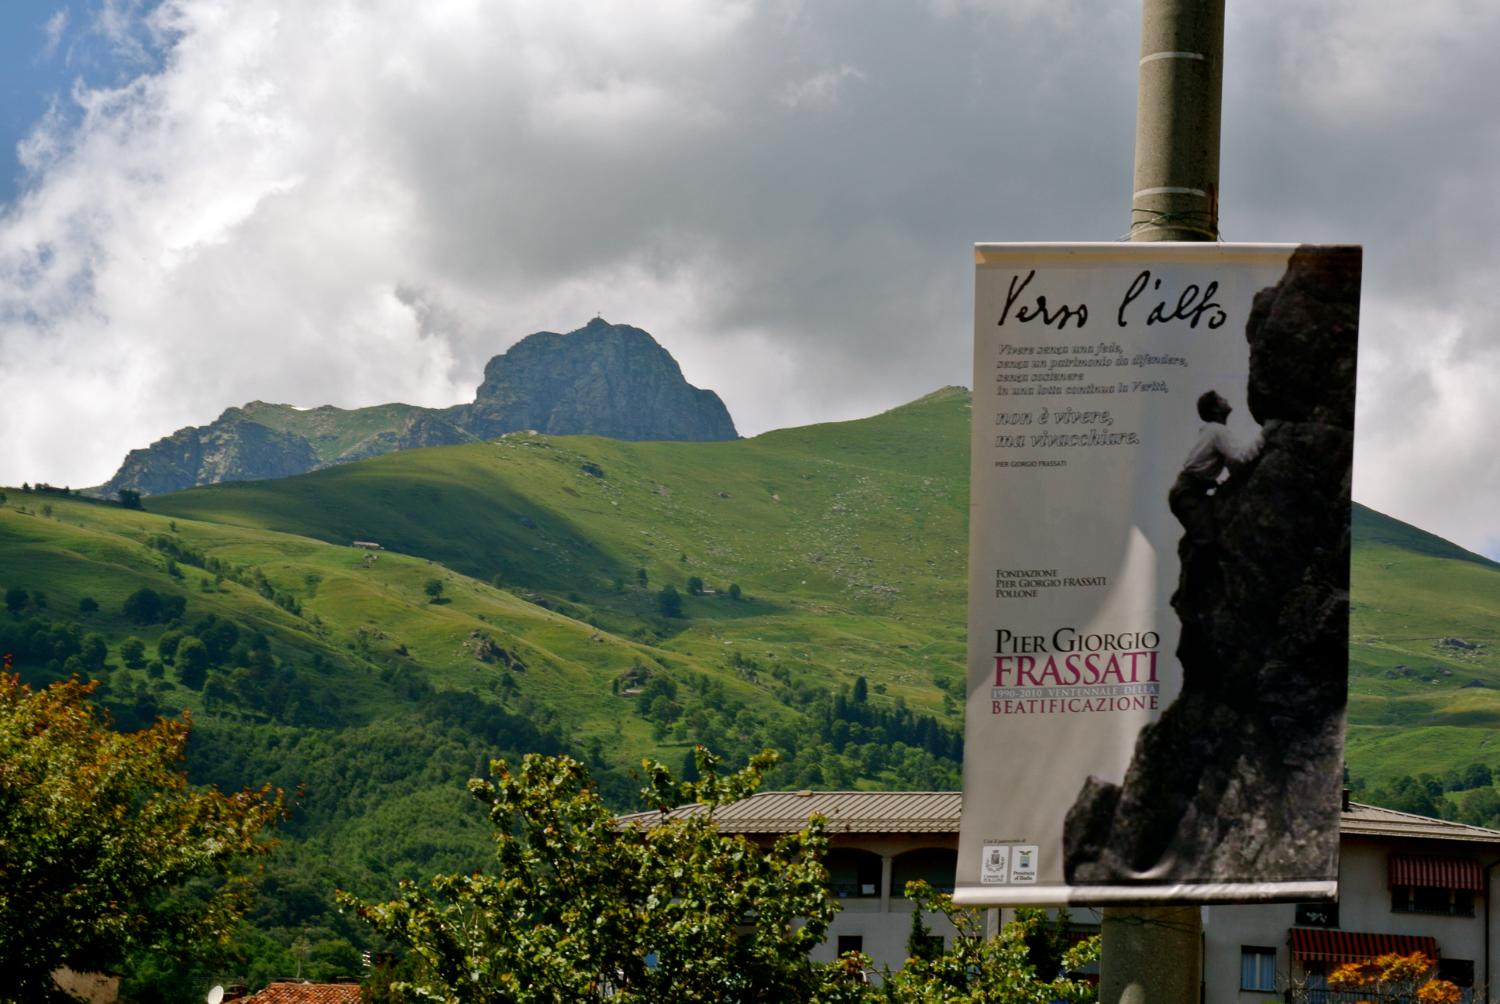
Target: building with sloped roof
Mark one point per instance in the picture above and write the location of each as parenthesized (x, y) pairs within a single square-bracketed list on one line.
[(878, 841), (1406, 883), (297, 992)]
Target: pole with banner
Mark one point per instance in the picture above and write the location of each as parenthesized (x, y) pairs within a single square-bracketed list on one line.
[(1158, 623), (1154, 954)]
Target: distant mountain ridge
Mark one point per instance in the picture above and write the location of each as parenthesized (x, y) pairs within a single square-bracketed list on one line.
[(603, 379)]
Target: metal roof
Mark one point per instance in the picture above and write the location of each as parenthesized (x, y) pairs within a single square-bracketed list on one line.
[(306, 993), (1372, 821), (847, 812), (938, 812)]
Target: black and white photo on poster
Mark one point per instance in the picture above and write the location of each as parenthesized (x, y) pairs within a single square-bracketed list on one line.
[(1158, 623)]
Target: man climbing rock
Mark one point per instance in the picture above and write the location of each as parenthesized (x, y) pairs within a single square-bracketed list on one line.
[(1217, 450)]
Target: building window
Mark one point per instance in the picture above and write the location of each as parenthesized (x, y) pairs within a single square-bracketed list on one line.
[(1430, 899), (933, 865), (853, 873), (1257, 968), (851, 943), (1459, 972), (1317, 915)]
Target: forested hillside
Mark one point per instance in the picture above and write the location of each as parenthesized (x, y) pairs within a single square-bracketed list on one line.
[(802, 590), (610, 599)]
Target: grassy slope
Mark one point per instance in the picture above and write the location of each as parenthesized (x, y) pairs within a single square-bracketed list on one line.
[(848, 540), (861, 524), (332, 431), (358, 610), (1414, 703)]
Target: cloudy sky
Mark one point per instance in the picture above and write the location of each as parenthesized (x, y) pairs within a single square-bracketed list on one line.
[(204, 202)]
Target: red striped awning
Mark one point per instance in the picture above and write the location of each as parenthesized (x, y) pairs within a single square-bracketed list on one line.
[(1430, 872), (1356, 946)]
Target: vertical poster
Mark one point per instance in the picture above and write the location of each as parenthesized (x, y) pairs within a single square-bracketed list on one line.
[(1159, 569)]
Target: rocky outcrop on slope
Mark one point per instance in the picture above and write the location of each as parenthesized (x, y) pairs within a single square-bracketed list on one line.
[(1240, 776), (603, 379), (419, 430), (232, 448)]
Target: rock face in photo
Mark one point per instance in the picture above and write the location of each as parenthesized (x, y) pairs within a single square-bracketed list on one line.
[(1239, 779)]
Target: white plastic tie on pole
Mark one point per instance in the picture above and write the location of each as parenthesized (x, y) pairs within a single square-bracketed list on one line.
[(1169, 190), (1172, 55)]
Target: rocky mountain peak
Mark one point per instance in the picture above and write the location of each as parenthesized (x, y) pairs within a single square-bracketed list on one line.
[(602, 379)]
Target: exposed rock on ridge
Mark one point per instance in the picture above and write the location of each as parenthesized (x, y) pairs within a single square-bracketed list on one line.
[(233, 448), (1240, 776), (603, 379)]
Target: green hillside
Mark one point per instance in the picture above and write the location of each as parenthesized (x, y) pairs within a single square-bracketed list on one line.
[(333, 432), (342, 679), (847, 540), (1423, 669), (516, 604), (853, 521)]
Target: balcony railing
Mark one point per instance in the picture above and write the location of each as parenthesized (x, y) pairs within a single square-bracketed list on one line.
[(1309, 995)]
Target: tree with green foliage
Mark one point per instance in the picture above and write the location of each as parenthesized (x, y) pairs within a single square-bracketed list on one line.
[(129, 499), (166, 645), (690, 771), (93, 651), (434, 590), (1047, 941), (1480, 807), (669, 601), (920, 943), (641, 578), (583, 906), (1414, 795), (147, 606), (133, 652), (734, 590), (100, 835), (15, 599), (981, 970), (218, 636), (192, 663), (578, 903), (142, 606), (87, 605), (695, 585)]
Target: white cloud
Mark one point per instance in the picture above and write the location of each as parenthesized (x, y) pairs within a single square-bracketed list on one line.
[(821, 90), (356, 201), (53, 30)]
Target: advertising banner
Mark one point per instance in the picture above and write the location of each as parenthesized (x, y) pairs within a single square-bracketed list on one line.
[(1158, 572)]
